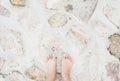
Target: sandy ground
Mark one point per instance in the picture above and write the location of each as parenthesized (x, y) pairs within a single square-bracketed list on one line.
[(79, 28)]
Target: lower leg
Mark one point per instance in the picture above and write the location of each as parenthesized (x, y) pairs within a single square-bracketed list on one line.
[(66, 67), (51, 67)]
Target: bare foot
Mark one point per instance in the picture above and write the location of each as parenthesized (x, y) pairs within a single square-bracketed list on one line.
[(51, 67), (66, 67)]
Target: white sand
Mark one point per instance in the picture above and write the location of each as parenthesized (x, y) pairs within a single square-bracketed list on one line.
[(89, 52)]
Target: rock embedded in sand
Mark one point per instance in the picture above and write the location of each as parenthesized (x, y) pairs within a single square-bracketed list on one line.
[(11, 42), (82, 9), (57, 20), (36, 73), (15, 76), (18, 2), (77, 34), (112, 11), (112, 69), (114, 47)]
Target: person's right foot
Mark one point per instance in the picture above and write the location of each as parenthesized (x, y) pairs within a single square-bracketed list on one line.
[(66, 67)]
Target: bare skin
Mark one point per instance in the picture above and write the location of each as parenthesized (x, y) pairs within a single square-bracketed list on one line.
[(51, 67), (66, 67)]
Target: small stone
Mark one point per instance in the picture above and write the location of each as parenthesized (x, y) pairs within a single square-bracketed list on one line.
[(69, 7), (114, 47), (18, 2), (57, 20), (36, 73)]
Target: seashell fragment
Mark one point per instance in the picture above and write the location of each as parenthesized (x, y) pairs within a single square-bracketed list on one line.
[(112, 12), (2, 62), (78, 34), (57, 20), (4, 11)]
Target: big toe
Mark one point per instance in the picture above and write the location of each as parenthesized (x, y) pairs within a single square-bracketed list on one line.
[(53, 55), (70, 58), (65, 56), (47, 58)]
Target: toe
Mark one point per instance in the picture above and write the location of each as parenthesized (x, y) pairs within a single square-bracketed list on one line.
[(50, 57), (53, 55), (68, 56), (65, 56)]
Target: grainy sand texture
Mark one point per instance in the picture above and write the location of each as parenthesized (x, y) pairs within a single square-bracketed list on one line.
[(88, 30)]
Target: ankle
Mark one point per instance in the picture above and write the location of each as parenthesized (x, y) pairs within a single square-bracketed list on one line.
[(66, 77), (50, 77)]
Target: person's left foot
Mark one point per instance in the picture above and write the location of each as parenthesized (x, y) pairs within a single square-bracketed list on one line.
[(51, 67)]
